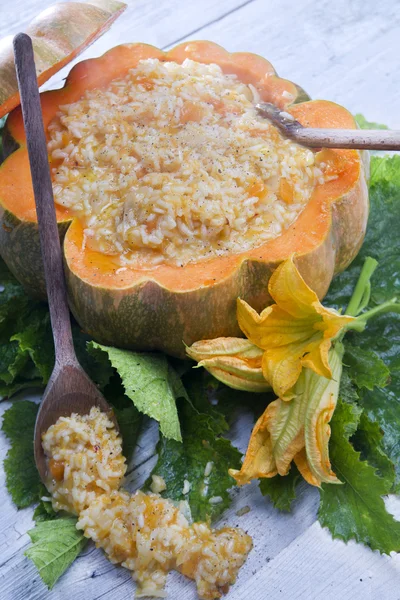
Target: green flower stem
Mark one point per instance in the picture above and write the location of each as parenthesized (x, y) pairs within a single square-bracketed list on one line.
[(389, 306), (360, 322), (366, 298), (362, 291), (356, 325)]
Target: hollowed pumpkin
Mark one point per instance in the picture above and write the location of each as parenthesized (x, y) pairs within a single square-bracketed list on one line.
[(166, 306)]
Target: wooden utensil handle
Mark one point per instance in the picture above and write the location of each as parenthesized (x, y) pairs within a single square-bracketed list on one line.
[(311, 137), (343, 138), (43, 191)]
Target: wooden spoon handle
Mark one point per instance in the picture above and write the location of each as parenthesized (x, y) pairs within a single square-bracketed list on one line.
[(367, 139), (346, 138), (43, 191)]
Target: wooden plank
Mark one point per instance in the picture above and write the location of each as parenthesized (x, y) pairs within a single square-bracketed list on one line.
[(346, 52), (159, 20), (153, 22), (343, 51), (313, 568)]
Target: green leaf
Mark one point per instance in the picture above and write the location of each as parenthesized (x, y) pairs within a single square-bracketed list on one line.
[(44, 510), (18, 385), (382, 406), (148, 383), (201, 444), (382, 335), (129, 422), (36, 340), (97, 367), (348, 395), (355, 510), (22, 477), (30, 353), (55, 545), (197, 383), (13, 298), (368, 440), (385, 171), (12, 361), (281, 490), (26, 345), (364, 124), (381, 241), (366, 369), (19, 420)]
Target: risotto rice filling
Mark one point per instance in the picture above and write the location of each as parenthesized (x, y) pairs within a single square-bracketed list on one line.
[(172, 164), (146, 533)]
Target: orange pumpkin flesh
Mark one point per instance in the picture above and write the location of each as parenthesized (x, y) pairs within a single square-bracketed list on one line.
[(160, 307)]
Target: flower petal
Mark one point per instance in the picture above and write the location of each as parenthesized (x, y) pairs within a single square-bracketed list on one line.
[(317, 358), (223, 346), (322, 398), (332, 321), (273, 328), (237, 373), (250, 322), (286, 426), (282, 366), (301, 463), (290, 291), (259, 460)]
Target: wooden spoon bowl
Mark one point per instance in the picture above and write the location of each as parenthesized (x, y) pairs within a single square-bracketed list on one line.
[(69, 391)]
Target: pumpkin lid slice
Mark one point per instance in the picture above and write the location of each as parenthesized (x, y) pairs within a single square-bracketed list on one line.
[(59, 34)]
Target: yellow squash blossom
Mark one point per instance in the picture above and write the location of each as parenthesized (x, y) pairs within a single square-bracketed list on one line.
[(295, 346), (295, 332), (289, 347), (297, 430)]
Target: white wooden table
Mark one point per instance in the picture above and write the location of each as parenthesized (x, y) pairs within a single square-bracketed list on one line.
[(347, 51)]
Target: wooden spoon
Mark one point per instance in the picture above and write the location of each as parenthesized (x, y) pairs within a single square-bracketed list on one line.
[(368, 139), (69, 389)]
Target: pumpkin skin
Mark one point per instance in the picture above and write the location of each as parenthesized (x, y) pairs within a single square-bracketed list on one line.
[(162, 307)]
